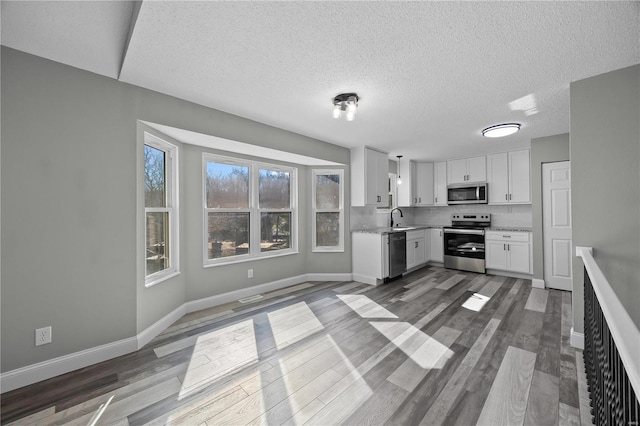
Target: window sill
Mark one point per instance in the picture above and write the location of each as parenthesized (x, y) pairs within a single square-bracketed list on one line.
[(161, 278), (248, 259), (328, 250)]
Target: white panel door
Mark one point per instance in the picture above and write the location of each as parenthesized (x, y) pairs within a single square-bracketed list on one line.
[(556, 224)]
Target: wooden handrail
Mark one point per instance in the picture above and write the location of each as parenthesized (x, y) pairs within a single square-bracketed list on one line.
[(624, 331)]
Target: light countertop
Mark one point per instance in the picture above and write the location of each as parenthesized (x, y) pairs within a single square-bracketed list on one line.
[(388, 229)]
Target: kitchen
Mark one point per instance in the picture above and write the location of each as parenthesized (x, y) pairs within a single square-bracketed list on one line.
[(490, 198)]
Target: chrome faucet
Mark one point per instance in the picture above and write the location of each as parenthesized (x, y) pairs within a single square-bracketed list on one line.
[(401, 215)]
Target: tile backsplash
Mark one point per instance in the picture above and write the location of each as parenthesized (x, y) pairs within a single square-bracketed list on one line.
[(517, 216)]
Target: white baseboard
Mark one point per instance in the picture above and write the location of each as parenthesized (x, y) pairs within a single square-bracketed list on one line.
[(577, 339), (329, 277), (34, 373), (219, 299), (365, 279), (509, 274), (146, 335), (537, 283)]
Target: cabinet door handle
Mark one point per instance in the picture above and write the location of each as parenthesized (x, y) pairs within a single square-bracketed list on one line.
[(419, 199), (506, 197), (379, 199), (504, 247), (509, 247), (416, 244), (510, 197), (436, 199)]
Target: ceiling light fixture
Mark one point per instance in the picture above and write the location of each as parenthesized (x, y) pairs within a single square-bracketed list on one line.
[(399, 178), (500, 130), (345, 104)]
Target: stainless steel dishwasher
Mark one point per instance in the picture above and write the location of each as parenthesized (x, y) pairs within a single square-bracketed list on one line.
[(397, 254)]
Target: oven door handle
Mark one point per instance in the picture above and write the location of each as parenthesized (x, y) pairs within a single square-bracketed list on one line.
[(464, 231)]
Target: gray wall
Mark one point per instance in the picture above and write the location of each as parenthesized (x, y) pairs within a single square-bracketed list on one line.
[(605, 162), (71, 157), (543, 150)]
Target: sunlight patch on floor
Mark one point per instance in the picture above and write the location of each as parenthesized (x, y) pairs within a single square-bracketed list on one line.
[(219, 353), (365, 307), (421, 348), (475, 302), (292, 324)]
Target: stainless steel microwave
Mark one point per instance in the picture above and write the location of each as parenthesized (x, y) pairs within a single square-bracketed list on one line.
[(465, 193)]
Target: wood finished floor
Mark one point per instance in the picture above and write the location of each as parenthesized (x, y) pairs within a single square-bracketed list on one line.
[(435, 347)]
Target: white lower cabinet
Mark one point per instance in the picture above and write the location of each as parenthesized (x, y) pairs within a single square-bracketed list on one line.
[(417, 249), (508, 251), (370, 257), (437, 254)]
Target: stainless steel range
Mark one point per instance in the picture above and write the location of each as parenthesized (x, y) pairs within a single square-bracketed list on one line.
[(464, 242)]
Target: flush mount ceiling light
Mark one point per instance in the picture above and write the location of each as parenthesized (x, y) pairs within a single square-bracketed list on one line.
[(345, 104), (500, 130)]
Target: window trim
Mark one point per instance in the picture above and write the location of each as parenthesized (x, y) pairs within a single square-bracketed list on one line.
[(327, 249), (172, 201), (254, 210)]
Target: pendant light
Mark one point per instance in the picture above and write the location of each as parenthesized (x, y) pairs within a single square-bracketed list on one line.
[(399, 178)]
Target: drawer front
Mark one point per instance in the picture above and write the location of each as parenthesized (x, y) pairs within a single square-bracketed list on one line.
[(507, 236), (414, 235)]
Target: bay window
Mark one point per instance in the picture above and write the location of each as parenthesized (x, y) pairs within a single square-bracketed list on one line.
[(250, 209)]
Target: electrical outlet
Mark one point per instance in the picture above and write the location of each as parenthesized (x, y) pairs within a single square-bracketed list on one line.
[(250, 273), (43, 336)]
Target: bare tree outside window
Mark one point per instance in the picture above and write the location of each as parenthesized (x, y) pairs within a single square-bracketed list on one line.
[(158, 201), (238, 213)]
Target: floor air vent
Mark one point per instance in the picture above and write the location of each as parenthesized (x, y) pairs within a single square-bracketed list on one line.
[(250, 298)]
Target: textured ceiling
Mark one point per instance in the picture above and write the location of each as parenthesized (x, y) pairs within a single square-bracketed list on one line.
[(430, 75)]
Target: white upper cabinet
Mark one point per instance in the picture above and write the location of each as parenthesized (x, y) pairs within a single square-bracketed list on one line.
[(440, 183), (424, 184), (509, 177), (369, 177), (406, 189), (416, 188), (467, 170), (519, 177)]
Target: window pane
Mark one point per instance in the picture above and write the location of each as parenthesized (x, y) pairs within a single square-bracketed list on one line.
[(227, 186), (275, 231), (328, 229), (157, 237), (274, 189), (327, 191), (228, 234), (154, 177)]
